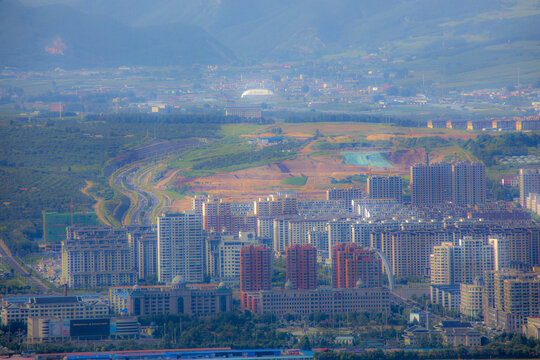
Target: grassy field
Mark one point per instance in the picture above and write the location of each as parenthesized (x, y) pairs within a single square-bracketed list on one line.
[(295, 181)]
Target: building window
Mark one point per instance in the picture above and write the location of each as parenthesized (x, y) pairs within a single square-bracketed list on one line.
[(180, 305)]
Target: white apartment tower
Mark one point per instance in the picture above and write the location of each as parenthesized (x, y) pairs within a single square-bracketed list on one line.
[(180, 247)]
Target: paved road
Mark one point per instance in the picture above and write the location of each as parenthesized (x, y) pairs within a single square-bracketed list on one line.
[(397, 299), (132, 179), (6, 255)]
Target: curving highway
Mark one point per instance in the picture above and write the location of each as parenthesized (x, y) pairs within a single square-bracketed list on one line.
[(146, 200)]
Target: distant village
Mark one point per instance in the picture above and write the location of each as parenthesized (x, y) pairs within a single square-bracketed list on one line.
[(351, 87)]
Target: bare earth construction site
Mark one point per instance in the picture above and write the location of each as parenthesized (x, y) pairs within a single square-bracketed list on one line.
[(315, 168)]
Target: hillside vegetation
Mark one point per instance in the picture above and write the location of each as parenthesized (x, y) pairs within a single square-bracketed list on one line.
[(452, 43), (45, 163)]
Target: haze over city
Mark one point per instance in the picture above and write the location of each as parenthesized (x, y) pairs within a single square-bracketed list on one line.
[(269, 179)]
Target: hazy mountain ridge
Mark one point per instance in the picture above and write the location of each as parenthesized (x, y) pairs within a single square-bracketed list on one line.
[(59, 36), (300, 29), (257, 28)]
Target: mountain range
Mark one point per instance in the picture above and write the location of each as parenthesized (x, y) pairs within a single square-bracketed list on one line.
[(163, 32), (58, 35)]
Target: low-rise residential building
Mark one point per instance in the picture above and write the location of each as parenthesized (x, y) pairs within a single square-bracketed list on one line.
[(194, 300), (63, 307), (532, 328), (462, 336), (325, 300), (414, 333), (51, 329), (471, 304), (446, 295), (511, 297)]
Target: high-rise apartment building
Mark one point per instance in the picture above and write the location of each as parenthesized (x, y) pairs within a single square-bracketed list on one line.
[(431, 184), (276, 206), (353, 265), (468, 183), (299, 229), (197, 203), (339, 231), (143, 242), (510, 296), (385, 187), (211, 253), (529, 182), (347, 194), (281, 234), (220, 216), (255, 269), (477, 256), (408, 251), (94, 256), (180, 247), (229, 254), (319, 239), (302, 267), (216, 215), (463, 263), (362, 230), (523, 245), (501, 252), (445, 264)]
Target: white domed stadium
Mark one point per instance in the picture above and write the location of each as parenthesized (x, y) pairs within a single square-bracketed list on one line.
[(257, 93)]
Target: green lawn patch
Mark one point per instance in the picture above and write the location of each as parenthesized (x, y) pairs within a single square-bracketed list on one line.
[(295, 181)]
